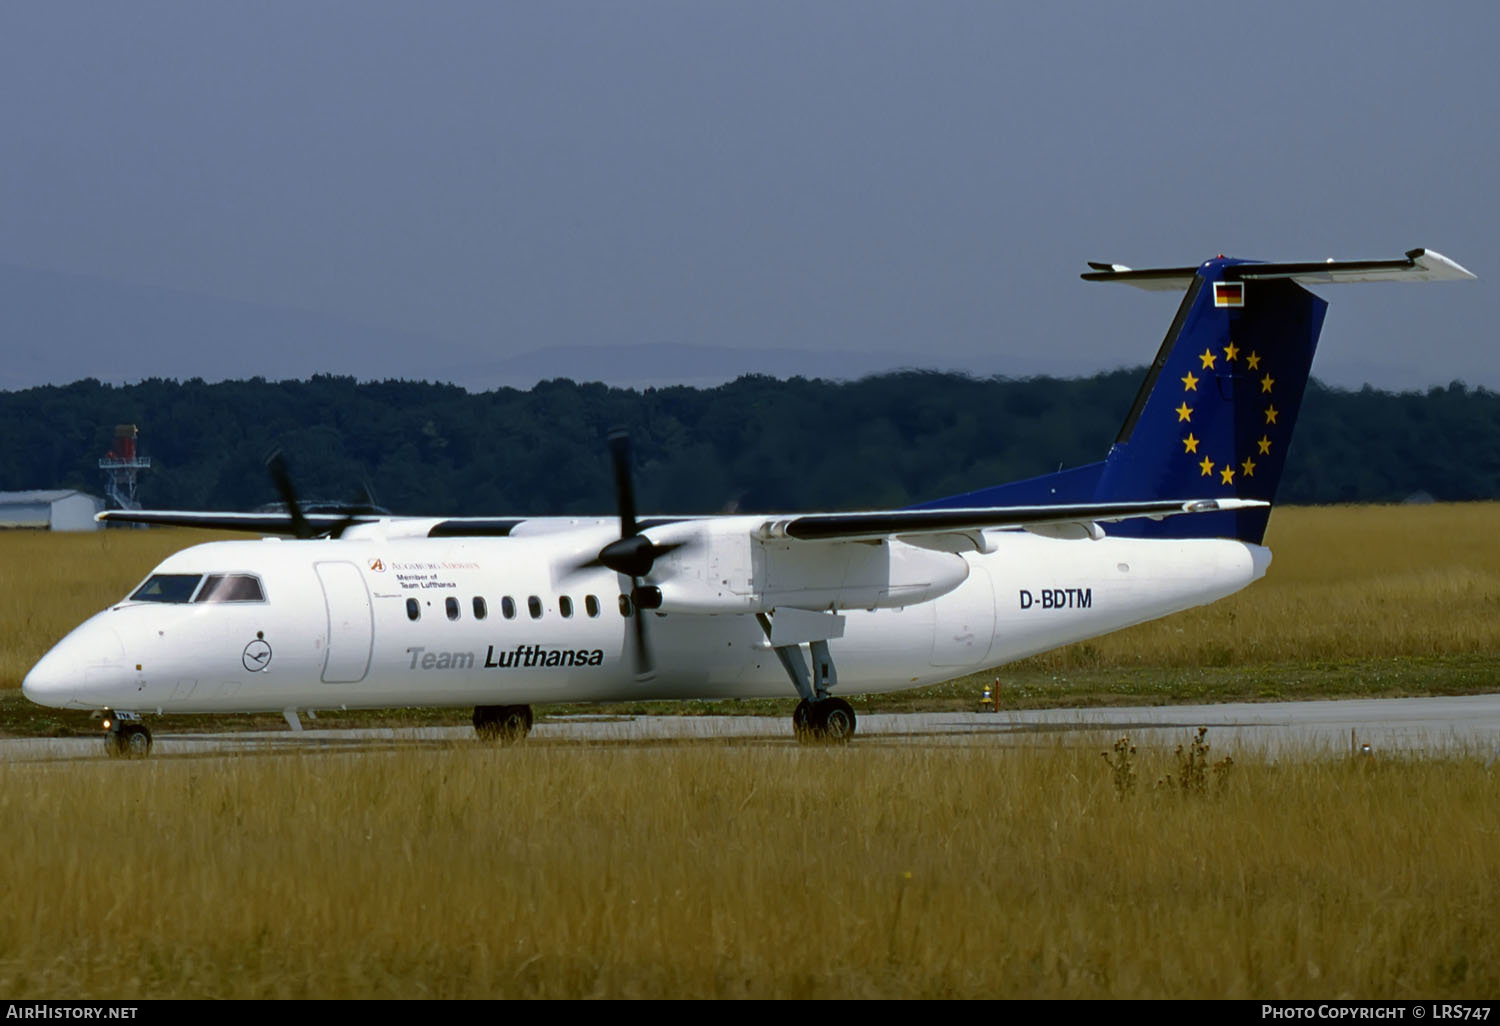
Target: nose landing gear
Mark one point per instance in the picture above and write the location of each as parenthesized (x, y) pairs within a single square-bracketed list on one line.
[(125, 736)]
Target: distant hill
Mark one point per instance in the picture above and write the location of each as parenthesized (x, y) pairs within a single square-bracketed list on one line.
[(663, 365), (58, 328)]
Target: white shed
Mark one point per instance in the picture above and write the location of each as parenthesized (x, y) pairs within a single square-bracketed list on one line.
[(52, 510)]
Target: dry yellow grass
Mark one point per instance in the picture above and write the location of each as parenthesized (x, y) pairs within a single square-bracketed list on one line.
[(776, 871), (750, 871)]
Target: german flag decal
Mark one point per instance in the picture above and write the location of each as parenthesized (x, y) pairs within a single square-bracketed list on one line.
[(1229, 293)]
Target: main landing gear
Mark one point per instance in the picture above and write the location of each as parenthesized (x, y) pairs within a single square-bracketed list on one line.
[(819, 717), (125, 736), (831, 719), (502, 724)]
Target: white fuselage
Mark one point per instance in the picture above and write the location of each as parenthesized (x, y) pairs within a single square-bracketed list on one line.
[(335, 626)]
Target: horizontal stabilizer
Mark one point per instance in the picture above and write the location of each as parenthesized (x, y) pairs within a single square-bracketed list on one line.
[(1417, 265)]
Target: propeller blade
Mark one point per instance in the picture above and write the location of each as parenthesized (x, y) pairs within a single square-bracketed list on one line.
[(619, 451), (633, 555), (338, 529), (282, 478), (363, 505)]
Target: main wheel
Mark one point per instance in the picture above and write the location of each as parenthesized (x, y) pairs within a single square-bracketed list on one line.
[(802, 722), (835, 719), (830, 720), (502, 724)]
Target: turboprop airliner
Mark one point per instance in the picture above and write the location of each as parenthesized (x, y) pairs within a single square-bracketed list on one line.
[(361, 610)]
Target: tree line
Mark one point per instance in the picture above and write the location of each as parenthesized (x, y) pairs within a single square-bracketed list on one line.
[(754, 444)]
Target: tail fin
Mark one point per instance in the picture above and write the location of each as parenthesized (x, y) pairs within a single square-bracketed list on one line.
[(1215, 414)]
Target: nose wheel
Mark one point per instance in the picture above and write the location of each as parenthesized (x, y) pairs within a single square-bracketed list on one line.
[(126, 738)]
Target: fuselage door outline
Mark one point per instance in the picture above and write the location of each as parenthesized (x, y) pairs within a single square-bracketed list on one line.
[(351, 624)]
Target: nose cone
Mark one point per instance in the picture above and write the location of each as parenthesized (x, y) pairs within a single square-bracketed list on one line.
[(84, 670), (52, 680)]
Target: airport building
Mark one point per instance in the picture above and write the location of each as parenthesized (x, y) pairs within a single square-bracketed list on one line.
[(53, 510)]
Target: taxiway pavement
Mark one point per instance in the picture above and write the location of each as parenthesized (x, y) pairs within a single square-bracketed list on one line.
[(1468, 724)]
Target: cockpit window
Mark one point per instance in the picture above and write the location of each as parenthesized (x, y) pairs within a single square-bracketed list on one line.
[(231, 588), (167, 588)]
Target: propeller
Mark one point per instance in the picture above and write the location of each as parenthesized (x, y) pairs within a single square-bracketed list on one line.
[(281, 476), (633, 554)]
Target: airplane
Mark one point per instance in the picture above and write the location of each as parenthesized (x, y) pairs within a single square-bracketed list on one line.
[(358, 609)]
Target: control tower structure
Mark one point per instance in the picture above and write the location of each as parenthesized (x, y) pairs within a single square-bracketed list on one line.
[(121, 466)]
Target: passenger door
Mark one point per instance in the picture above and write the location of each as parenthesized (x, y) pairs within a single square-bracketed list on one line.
[(351, 625)]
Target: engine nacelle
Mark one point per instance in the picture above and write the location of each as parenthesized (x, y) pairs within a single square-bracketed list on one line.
[(729, 570)]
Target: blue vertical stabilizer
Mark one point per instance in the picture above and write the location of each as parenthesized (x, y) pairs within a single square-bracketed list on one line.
[(1214, 416)]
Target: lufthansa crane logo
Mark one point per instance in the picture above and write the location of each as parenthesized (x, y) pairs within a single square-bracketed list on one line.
[(257, 656)]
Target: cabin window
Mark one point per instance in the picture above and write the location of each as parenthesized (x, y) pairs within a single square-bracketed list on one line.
[(451, 605), (535, 605), (624, 605), (231, 588), (413, 609), (591, 603), (167, 588), (508, 608), (565, 606), (480, 609)]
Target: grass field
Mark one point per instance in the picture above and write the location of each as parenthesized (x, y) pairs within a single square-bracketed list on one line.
[(771, 870), (747, 871)]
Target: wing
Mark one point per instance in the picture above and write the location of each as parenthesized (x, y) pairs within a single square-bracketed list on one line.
[(920, 522), (803, 527), (255, 523)]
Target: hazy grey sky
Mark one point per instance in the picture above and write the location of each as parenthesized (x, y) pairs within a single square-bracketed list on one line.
[(926, 178)]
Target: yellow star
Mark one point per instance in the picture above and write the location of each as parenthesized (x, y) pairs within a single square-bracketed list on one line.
[(1184, 412), (1190, 444), (1208, 359), (1208, 466), (1266, 383), (1248, 467), (1271, 414), (1231, 351), (1252, 361), (1265, 445), (1226, 475), (1190, 383)]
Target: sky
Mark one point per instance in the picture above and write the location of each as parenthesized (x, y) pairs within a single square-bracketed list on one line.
[(920, 179)]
